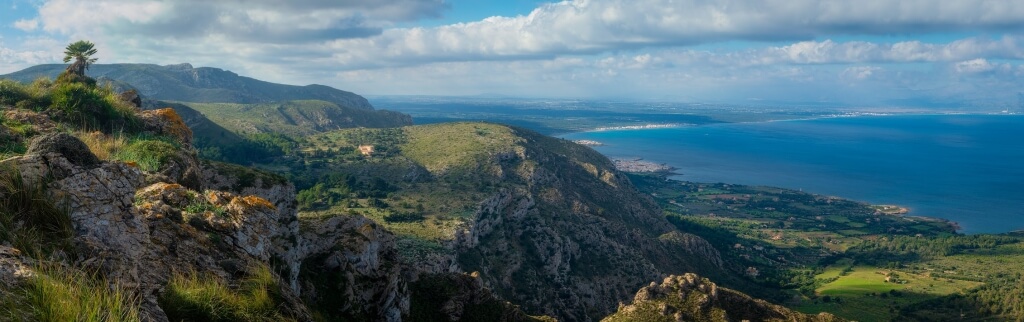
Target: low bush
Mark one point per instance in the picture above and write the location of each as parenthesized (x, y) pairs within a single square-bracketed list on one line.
[(92, 107), (12, 92)]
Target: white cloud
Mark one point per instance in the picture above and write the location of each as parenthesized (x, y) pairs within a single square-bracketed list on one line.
[(12, 60), (860, 72), (27, 25), (570, 48), (591, 26), (261, 21)]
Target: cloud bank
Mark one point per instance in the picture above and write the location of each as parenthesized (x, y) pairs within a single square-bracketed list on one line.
[(688, 49)]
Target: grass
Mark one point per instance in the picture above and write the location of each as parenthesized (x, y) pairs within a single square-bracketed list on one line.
[(193, 296), (104, 146), (147, 152), (30, 220), (446, 147), (865, 296), (58, 293)]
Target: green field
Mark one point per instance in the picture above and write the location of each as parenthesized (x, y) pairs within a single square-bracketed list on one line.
[(864, 295)]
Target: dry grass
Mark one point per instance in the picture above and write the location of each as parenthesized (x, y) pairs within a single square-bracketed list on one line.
[(104, 146)]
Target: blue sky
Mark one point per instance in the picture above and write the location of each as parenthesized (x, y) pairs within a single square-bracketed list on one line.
[(875, 53)]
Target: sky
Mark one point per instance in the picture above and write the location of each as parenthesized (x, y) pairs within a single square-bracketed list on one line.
[(877, 53)]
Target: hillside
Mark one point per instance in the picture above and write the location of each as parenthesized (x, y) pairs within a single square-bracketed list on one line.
[(297, 118), (547, 223), (185, 83)]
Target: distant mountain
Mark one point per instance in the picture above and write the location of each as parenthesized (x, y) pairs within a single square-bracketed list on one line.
[(185, 83)]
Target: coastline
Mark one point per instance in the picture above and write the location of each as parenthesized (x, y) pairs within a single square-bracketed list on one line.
[(639, 165), (959, 213)]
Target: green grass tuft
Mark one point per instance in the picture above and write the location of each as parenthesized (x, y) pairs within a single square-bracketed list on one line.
[(148, 153), (58, 293), (204, 297)]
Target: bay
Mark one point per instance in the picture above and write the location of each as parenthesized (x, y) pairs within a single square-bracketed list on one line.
[(965, 168)]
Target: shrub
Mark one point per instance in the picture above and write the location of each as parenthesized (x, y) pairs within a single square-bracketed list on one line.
[(58, 293), (93, 107), (12, 92), (29, 219), (206, 297)]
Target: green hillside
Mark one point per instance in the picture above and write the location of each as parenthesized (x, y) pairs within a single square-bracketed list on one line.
[(295, 118)]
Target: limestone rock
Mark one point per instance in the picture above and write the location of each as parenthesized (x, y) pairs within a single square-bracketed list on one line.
[(14, 268), (689, 297), (165, 121), (131, 96), (40, 122), (362, 255)]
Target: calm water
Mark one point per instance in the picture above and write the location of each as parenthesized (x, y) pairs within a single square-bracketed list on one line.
[(965, 168)]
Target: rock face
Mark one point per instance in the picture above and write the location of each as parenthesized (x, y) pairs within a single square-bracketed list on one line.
[(571, 237), (351, 270), (692, 298), (140, 239)]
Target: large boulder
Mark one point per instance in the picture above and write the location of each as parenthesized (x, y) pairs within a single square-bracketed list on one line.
[(131, 96), (66, 145), (166, 122)]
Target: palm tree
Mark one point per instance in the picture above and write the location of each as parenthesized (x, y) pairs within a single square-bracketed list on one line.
[(80, 51)]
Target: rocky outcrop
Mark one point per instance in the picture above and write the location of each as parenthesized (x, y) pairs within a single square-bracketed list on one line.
[(351, 270), (689, 297), (39, 122), (138, 237), (165, 121), (285, 238)]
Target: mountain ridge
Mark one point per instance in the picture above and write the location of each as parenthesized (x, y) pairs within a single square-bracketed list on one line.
[(183, 82)]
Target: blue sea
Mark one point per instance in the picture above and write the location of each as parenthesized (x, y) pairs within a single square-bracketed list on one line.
[(965, 168)]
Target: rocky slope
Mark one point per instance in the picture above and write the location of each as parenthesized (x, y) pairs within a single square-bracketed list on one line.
[(142, 227), (572, 236), (547, 224), (689, 297), (540, 222)]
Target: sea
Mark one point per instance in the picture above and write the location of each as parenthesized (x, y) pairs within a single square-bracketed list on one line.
[(968, 169)]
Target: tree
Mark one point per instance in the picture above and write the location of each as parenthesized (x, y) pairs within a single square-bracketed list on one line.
[(81, 51)]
